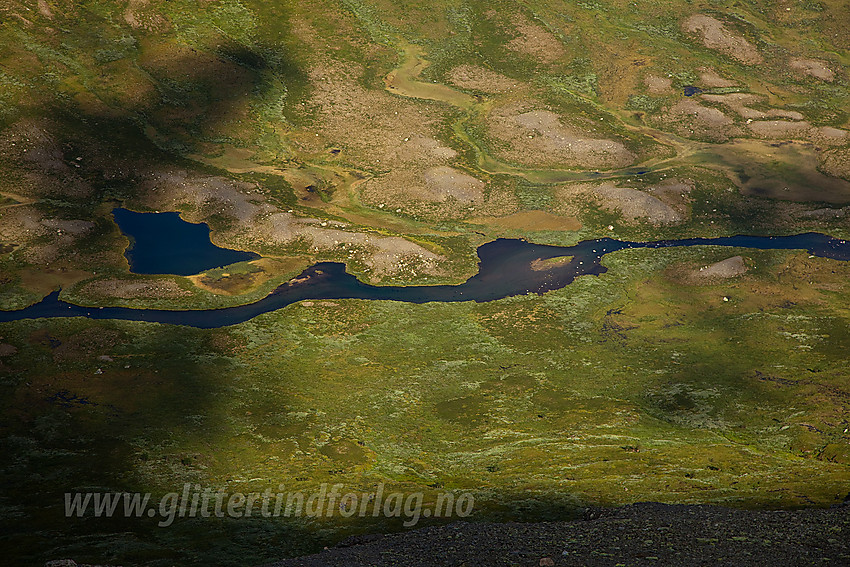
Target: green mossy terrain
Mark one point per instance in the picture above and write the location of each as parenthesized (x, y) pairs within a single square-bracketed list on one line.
[(623, 388), (397, 137)]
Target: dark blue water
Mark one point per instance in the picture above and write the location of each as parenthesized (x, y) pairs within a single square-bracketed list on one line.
[(504, 270), (163, 243), (690, 90)]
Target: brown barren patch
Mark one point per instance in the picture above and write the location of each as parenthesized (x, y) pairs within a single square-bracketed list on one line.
[(634, 205), (715, 36), (540, 138), (689, 274), (658, 85), (536, 41), (739, 101), (725, 269), (690, 118), (708, 77), (836, 162), (813, 68), (480, 79), (780, 129)]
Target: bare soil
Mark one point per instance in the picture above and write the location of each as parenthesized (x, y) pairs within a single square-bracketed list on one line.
[(633, 204), (138, 17), (445, 182), (836, 162), (725, 269), (658, 85), (44, 241), (708, 77), (829, 136), (714, 35), (813, 68), (535, 40), (404, 80), (739, 101), (691, 119), (780, 129), (481, 79), (539, 137)]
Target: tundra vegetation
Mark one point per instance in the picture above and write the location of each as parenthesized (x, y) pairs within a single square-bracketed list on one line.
[(396, 137)]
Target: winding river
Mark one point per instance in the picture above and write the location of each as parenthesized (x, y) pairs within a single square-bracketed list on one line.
[(505, 269)]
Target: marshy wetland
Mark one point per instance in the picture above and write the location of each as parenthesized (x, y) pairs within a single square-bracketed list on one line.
[(397, 155)]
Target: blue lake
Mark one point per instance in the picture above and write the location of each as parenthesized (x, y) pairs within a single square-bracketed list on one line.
[(163, 243)]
